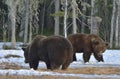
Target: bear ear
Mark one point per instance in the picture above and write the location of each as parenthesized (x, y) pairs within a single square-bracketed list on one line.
[(23, 48), (107, 44)]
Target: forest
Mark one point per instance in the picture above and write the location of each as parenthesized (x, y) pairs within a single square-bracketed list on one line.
[(21, 20)]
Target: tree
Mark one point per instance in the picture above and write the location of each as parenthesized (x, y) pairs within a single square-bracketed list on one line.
[(112, 23), (12, 5), (83, 16), (117, 29), (56, 27), (26, 20), (94, 28), (43, 16), (65, 19), (3, 20), (74, 13), (115, 23), (30, 21), (29, 18), (119, 23)]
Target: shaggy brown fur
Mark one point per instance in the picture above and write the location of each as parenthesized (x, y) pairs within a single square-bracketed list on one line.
[(55, 51), (88, 44)]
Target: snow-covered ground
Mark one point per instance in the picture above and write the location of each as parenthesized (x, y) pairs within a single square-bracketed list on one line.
[(111, 58)]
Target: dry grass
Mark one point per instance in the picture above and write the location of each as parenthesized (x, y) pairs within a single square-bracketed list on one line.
[(46, 77), (93, 70), (82, 70), (6, 65), (14, 56), (89, 70)]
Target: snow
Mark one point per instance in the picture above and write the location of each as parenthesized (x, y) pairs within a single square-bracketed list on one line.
[(111, 58), (23, 72)]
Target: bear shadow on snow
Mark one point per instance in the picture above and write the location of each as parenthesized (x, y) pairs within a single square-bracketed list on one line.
[(55, 51), (88, 44)]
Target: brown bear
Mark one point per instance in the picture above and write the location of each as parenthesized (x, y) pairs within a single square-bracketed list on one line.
[(55, 51), (88, 44)]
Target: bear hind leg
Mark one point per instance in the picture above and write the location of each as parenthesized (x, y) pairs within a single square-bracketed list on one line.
[(65, 65), (54, 66), (67, 62)]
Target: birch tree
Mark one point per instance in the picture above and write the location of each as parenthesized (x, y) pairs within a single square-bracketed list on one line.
[(30, 21), (26, 18), (83, 17), (12, 5), (117, 29), (115, 23), (74, 13), (119, 23), (92, 20), (30, 11), (43, 17), (112, 24), (65, 19), (56, 27)]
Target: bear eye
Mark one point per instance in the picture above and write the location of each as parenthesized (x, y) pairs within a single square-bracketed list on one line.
[(106, 44)]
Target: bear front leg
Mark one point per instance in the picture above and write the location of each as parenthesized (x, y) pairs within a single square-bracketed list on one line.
[(34, 64), (74, 57), (48, 65), (86, 57), (98, 58)]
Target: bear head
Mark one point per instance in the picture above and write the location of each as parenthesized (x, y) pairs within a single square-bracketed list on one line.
[(99, 46), (26, 51), (34, 44)]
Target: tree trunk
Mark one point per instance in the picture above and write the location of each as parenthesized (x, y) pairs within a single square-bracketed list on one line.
[(56, 27), (116, 30), (26, 21), (92, 16), (30, 22), (13, 20), (12, 17), (119, 23), (43, 18), (30, 32), (106, 22), (4, 28), (74, 6), (94, 28), (112, 24), (83, 18), (65, 19)]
